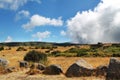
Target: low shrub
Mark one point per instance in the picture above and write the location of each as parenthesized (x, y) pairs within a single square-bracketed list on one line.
[(1, 48), (35, 56), (69, 54), (48, 51), (82, 54), (96, 55), (46, 47), (21, 49), (55, 53), (76, 50)]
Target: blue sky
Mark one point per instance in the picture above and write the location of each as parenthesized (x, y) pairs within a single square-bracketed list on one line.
[(47, 20), (12, 28)]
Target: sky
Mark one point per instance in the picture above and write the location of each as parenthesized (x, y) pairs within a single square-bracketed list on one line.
[(77, 21)]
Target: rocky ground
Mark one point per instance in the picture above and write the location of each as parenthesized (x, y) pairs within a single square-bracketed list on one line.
[(22, 76)]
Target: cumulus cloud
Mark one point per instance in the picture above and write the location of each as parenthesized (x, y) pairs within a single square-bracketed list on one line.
[(9, 39), (41, 35), (99, 25), (63, 33), (14, 4), (22, 14), (37, 20)]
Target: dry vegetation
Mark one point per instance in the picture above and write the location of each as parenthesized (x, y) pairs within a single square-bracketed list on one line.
[(14, 56)]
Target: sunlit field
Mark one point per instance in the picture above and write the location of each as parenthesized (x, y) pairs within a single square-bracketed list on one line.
[(14, 57)]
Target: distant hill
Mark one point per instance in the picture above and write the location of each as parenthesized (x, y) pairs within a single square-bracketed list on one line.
[(36, 44), (53, 44)]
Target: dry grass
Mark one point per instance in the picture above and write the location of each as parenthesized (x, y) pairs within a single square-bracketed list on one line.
[(65, 62), (14, 56), (62, 49)]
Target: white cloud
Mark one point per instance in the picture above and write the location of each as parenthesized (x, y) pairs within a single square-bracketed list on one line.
[(41, 35), (37, 20), (22, 14), (63, 33), (14, 4), (9, 39), (100, 25)]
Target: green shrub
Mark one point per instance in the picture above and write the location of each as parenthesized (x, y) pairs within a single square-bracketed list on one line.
[(54, 47), (76, 50), (69, 54), (55, 53), (116, 55), (35, 56), (82, 54), (48, 51), (1, 48), (96, 55), (46, 47), (37, 47), (72, 50), (93, 50), (100, 44)]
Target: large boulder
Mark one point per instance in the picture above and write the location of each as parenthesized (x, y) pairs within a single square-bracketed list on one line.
[(53, 70), (113, 72), (3, 62), (79, 68), (23, 64)]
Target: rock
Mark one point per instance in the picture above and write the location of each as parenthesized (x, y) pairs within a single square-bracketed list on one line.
[(10, 69), (79, 68), (3, 62), (53, 70), (38, 66), (33, 66), (41, 66), (23, 64), (101, 70), (33, 72), (113, 72)]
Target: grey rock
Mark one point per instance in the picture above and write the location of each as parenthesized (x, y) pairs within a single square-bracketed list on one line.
[(41, 66), (113, 72), (23, 64), (10, 69), (101, 70), (38, 66), (3, 62), (53, 70), (79, 68)]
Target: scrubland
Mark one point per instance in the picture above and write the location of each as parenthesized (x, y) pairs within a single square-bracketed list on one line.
[(62, 55)]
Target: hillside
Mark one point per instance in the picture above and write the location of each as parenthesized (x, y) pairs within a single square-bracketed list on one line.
[(36, 44)]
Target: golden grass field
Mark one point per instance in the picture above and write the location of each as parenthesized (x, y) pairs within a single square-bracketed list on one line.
[(14, 56)]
